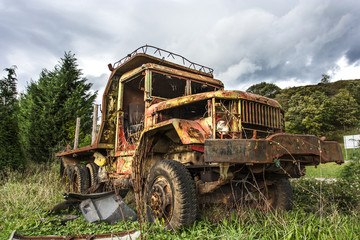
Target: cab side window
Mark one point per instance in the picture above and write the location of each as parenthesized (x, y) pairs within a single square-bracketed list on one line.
[(133, 105)]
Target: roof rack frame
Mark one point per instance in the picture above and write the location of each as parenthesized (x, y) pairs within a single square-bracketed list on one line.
[(144, 49)]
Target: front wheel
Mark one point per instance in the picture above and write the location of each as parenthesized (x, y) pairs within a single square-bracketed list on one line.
[(170, 196)]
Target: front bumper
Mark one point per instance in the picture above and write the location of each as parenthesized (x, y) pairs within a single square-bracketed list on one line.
[(307, 148)]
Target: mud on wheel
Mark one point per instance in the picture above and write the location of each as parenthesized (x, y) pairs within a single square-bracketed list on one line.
[(170, 196)]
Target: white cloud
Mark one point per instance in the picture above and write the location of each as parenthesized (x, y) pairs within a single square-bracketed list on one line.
[(292, 82), (344, 71)]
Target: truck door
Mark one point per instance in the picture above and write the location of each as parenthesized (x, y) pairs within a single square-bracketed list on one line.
[(131, 109)]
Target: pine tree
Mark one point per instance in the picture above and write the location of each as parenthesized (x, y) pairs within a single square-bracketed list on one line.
[(10, 152), (50, 107)]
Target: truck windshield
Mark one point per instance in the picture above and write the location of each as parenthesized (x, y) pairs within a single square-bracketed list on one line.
[(166, 86)]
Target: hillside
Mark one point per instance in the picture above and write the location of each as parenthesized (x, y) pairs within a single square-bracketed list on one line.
[(326, 109), (330, 89)]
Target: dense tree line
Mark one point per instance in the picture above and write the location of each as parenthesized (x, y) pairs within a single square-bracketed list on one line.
[(327, 109), (10, 153), (43, 118)]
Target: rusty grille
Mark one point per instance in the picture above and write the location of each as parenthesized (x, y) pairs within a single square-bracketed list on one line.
[(261, 114), (249, 116)]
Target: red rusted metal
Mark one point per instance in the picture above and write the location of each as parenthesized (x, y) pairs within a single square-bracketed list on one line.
[(198, 148)]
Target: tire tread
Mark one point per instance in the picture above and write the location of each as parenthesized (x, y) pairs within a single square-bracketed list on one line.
[(184, 184)]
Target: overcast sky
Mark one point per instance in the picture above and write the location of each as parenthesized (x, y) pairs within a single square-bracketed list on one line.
[(285, 42)]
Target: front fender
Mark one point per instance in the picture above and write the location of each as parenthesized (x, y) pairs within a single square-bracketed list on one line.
[(188, 131), (191, 132)]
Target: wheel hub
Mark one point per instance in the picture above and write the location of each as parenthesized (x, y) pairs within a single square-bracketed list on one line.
[(160, 199)]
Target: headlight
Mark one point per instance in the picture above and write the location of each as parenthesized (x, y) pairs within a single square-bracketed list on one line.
[(222, 127)]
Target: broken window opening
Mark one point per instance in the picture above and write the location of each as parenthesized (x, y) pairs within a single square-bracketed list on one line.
[(165, 86), (193, 111), (133, 107)]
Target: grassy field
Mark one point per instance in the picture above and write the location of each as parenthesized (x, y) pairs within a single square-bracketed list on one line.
[(328, 170), (319, 213)]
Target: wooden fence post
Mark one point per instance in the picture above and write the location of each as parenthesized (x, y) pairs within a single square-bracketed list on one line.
[(94, 125), (77, 130)]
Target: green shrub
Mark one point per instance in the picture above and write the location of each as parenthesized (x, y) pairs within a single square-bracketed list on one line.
[(354, 155), (351, 171), (312, 195)]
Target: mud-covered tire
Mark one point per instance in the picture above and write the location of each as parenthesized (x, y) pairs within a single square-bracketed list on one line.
[(80, 179), (93, 171), (67, 177), (170, 195), (283, 194)]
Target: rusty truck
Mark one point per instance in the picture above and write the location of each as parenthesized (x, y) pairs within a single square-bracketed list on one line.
[(170, 130)]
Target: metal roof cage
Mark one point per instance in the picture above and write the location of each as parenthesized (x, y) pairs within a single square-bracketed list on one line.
[(166, 55)]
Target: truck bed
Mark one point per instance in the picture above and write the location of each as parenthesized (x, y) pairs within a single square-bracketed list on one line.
[(85, 151)]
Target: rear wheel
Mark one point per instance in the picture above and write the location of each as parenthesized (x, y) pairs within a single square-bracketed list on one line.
[(66, 177), (283, 194), (93, 171), (170, 196), (80, 179), (277, 196)]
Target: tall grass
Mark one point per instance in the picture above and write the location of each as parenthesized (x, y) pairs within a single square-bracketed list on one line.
[(25, 198)]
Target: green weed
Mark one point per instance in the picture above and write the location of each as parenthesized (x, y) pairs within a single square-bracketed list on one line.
[(321, 211)]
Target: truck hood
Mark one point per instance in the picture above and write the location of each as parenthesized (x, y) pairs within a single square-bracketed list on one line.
[(224, 94)]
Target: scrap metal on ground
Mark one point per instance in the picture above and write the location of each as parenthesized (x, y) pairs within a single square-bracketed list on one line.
[(131, 235)]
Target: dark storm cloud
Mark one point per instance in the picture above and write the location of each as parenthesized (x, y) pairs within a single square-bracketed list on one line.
[(278, 41), (353, 55), (302, 44)]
